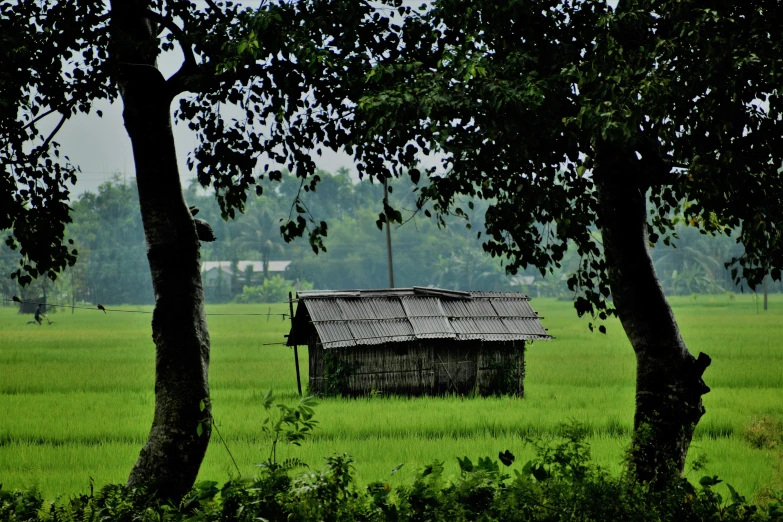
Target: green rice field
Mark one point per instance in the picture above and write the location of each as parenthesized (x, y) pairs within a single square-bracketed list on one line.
[(76, 397)]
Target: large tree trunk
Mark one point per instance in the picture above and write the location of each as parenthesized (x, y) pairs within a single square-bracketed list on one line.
[(169, 462), (669, 383)]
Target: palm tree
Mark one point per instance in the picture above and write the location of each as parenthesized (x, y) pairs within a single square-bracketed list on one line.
[(471, 269), (696, 264), (258, 232)]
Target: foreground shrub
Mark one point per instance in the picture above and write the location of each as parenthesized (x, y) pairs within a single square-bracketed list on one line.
[(17, 505), (560, 484)]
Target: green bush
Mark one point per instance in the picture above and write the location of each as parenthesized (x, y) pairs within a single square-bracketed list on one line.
[(764, 433), (274, 290), (560, 484)]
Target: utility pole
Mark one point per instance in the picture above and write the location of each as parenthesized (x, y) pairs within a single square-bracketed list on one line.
[(388, 233)]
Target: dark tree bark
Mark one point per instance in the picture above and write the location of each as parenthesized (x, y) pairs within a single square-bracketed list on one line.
[(169, 462), (669, 383)]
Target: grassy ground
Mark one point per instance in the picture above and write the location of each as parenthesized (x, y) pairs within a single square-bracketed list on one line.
[(76, 397)]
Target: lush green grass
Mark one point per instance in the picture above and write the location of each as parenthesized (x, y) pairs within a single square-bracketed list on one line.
[(76, 397)]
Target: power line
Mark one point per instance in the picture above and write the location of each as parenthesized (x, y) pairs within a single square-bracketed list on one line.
[(96, 309)]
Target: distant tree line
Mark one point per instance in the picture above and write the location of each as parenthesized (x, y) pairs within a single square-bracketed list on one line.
[(112, 266)]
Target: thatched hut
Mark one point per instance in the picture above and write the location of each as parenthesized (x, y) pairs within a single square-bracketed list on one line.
[(415, 341)]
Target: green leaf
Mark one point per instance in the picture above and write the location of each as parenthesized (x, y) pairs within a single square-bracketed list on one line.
[(199, 429), (268, 398), (465, 465), (488, 465), (506, 457), (736, 498), (540, 473), (435, 469), (707, 481)]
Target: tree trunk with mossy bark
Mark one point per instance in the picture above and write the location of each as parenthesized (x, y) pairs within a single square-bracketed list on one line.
[(669, 384), (170, 460)]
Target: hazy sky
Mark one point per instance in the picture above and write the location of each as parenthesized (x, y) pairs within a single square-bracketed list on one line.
[(101, 147)]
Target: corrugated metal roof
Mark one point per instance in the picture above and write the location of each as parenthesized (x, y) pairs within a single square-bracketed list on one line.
[(324, 310), (365, 317), (513, 307), (422, 306), (387, 308), (334, 334), (492, 329), (510, 295), (355, 309), (366, 332), (432, 328), (480, 308), (525, 326), (455, 308), (465, 327), (394, 329)]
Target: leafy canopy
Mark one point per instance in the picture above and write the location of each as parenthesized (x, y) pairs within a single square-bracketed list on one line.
[(259, 86), (520, 99), (512, 102)]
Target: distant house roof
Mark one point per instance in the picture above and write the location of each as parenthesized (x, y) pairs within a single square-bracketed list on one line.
[(363, 317), (258, 266), (523, 279)]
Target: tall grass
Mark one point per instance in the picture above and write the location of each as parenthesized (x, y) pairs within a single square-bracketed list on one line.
[(76, 397)]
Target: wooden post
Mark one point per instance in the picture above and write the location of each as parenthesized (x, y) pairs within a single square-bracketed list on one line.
[(296, 351), (388, 234)]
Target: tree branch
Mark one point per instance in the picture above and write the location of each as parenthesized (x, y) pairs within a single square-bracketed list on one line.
[(178, 33), (215, 8), (656, 166), (180, 82), (42, 148), (59, 108), (177, 83)]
